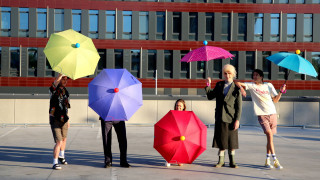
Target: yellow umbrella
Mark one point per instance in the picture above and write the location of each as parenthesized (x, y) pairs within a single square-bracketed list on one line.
[(72, 54)]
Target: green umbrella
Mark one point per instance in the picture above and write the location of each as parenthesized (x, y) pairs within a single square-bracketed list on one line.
[(72, 54)]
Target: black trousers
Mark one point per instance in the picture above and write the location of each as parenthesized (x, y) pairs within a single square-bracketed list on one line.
[(120, 128)]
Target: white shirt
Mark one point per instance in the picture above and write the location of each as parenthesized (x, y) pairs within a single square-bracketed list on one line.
[(262, 95)]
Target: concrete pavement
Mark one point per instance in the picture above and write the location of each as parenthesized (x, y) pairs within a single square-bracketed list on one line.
[(26, 153)]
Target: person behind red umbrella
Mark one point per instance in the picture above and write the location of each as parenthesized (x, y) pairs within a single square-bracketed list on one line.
[(180, 105)]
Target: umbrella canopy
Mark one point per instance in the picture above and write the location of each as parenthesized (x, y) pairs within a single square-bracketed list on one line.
[(72, 54), (115, 94), (206, 53), (180, 137), (293, 62)]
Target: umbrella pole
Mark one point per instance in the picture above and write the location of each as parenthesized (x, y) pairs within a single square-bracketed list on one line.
[(287, 76)]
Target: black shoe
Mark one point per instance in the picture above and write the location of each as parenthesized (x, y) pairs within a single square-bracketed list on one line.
[(107, 165), (56, 167), (62, 161), (125, 165)]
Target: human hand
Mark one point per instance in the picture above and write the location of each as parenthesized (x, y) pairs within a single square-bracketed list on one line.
[(243, 92), (283, 88), (209, 80), (236, 125)]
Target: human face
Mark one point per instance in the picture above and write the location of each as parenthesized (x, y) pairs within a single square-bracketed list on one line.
[(63, 81), (257, 78), (179, 106), (228, 76)]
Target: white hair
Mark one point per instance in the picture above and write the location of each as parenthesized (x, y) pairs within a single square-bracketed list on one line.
[(230, 68)]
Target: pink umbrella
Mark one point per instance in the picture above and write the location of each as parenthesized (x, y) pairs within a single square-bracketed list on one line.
[(206, 53)]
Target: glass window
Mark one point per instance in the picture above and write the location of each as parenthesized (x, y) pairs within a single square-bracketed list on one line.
[(152, 63), (111, 25), (102, 64), (209, 26), (283, 1), (316, 1), (266, 1), (49, 71), (184, 73), (42, 22), (242, 27), (93, 23), (23, 22), (33, 59), (258, 26), (58, 20), (143, 25), (118, 57), (235, 60), (5, 21), (275, 27), (234, 1), (176, 26), (193, 26), (168, 64), (316, 61), (217, 1), (291, 27), (300, 1), (160, 34), (135, 62), (217, 68), (127, 25), (201, 69), (250, 63), (76, 20), (14, 61), (0, 60), (225, 31), (307, 28), (266, 64)]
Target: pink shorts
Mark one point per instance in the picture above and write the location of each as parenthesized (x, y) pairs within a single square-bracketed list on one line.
[(268, 122)]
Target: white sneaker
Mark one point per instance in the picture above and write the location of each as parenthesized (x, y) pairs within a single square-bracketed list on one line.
[(268, 164), (276, 164), (167, 164)]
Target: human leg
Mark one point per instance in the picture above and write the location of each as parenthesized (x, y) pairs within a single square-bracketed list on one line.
[(120, 129), (221, 158), (57, 136), (106, 130), (232, 161), (63, 144)]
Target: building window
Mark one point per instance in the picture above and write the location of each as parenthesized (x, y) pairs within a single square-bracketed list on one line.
[(135, 63), (111, 24), (275, 28), (250, 63), (315, 1), (32, 62), (234, 1), (93, 23), (283, 1), (176, 34), (193, 26), (307, 28), (258, 26), (58, 20), (316, 61), (102, 64), (184, 71), (118, 58), (217, 1), (168, 64), (201, 69), (76, 20), (23, 22), (266, 1), (291, 27), (42, 22), (152, 63), (300, 1), (5, 21), (225, 31), (235, 60), (242, 27), (48, 71), (14, 61), (209, 26), (160, 34), (0, 60), (217, 69), (143, 25), (266, 64), (127, 25)]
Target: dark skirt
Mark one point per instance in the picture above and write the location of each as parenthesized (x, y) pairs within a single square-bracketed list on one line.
[(224, 136)]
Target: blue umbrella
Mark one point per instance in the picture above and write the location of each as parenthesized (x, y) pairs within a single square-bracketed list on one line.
[(293, 62), (115, 94)]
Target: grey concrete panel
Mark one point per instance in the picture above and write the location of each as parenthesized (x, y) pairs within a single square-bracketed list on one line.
[(15, 22), (102, 24), (306, 113), (217, 26), (33, 22), (285, 113), (205, 110), (41, 63), (7, 111), (67, 19), (316, 25), (266, 27), (119, 24), (152, 25), (78, 113), (185, 23), (27, 111), (176, 64), (135, 25), (147, 114), (248, 116), (50, 22), (110, 58), (5, 61), (85, 22), (201, 26), (250, 28), (299, 28), (24, 62)]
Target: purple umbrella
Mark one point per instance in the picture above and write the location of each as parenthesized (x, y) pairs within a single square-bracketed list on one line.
[(115, 94), (206, 53)]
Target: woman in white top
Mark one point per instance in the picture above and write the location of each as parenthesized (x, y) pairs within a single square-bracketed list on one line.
[(264, 96)]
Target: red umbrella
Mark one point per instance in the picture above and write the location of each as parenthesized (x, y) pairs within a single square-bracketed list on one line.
[(180, 137)]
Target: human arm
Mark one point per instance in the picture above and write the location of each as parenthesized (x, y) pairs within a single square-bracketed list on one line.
[(277, 97), (57, 80), (242, 90), (210, 92), (238, 111)]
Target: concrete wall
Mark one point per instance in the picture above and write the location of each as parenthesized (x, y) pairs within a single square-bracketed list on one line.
[(35, 111)]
